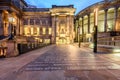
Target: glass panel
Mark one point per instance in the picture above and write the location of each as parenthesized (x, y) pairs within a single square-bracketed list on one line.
[(91, 22), (85, 24), (110, 19), (101, 21)]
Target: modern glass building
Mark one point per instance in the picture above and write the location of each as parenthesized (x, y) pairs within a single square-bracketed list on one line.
[(108, 23)]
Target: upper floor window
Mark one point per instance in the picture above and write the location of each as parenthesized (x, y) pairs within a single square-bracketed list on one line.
[(25, 21), (31, 21), (37, 21)]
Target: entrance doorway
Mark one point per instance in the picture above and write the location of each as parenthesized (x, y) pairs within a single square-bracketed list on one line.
[(62, 41)]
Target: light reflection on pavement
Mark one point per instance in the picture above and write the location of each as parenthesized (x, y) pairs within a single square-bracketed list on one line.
[(67, 62)]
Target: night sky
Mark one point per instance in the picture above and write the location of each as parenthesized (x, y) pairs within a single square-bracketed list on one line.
[(78, 4)]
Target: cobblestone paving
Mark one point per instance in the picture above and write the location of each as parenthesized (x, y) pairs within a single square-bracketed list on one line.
[(67, 62)]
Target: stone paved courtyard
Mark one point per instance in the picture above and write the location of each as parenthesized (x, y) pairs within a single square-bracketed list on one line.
[(61, 62)]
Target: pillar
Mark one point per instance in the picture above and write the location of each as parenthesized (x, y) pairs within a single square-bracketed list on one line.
[(82, 29), (88, 23), (116, 17), (76, 26), (53, 29), (105, 21)]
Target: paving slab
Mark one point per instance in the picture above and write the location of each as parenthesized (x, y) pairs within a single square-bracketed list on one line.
[(61, 62)]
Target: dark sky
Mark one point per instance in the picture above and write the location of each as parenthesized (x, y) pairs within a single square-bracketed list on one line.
[(78, 4)]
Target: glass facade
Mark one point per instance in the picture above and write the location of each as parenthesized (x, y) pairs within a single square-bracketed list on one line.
[(110, 19), (101, 18), (85, 24), (108, 23), (80, 23), (91, 22)]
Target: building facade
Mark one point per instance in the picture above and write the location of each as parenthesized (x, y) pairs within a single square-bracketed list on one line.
[(108, 24), (21, 23)]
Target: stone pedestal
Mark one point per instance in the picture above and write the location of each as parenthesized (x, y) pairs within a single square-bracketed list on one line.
[(12, 49)]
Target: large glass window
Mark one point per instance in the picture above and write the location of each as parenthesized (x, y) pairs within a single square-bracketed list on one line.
[(110, 19), (101, 19), (27, 31), (91, 22), (85, 26), (80, 25), (36, 31)]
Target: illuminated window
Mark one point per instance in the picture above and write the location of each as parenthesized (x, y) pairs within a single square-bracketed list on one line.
[(50, 31), (32, 32), (118, 21), (40, 40), (91, 22), (36, 31), (119, 13), (110, 19), (47, 41), (101, 21), (27, 31), (86, 24), (44, 30)]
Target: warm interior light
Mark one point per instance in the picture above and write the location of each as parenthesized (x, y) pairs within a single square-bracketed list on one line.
[(117, 50), (44, 30), (50, 31), (32, 32), (96, 16)]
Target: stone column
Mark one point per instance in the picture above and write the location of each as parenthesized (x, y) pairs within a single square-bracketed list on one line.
[(5, 23), (105, 21), (116, 17), (68, 24), (21, 26), (53, 29), (88, 23), (82, 29), (17, 26), (76, 25), (72, 25)]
